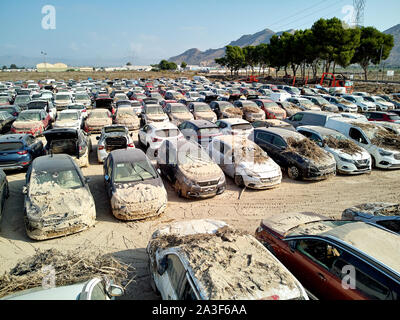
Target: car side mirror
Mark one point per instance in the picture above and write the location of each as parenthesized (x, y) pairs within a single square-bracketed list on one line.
[(87, 180), (115, 291), (162, 266), (25, 190)]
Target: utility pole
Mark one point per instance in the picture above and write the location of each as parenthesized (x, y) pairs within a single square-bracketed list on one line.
[(45, 64), (359, 6)]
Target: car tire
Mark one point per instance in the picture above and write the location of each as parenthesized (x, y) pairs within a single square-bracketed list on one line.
[(293, 173), (373, 163), (239, 181)]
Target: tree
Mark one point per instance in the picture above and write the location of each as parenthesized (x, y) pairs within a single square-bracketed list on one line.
[(129, 64), (166, 65), (13, 66), (234, 58), (183, 65), (4, 67), (374, 47), (250, 58)]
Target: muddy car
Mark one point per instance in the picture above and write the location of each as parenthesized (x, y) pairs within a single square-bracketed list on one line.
[(225, 109), (272, 123), (299, 156), (74, 142), (350, 158), (251, 112), (190, 170), (113, 138), (127, 117), (97, 119), (321, 252), (290, 108), (32, 122), (380, 214), (245, 162), (202, 111), (177, 113), (104, 102), (58, 201), (272, 109), (69, 119), (135, 188), (153, 113), (209, 260)]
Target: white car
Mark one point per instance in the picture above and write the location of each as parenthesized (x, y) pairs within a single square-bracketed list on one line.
[(83, 98), (69, 119), (381, 104), (235, 126), (245, 162), (304, 104), (362, 104), (113, 137), (355, 116), (370, 137), (79, 107), (347, 161), (153, 134), (61, 100), (209, 267)]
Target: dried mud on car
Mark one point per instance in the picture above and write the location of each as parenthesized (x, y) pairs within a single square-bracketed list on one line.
[(306, 148), (383, 138), (346, 146)]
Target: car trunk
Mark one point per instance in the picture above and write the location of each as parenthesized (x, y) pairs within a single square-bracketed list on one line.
[(104, 104), (115, 143), (67, 146)]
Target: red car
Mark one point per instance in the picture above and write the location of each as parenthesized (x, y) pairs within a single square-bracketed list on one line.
[(272, 109), (382, 116), (32, 122), (335, 259), (138, 97)]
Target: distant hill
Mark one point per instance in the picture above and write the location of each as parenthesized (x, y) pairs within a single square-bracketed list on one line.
[(394, 58), (206, 58)]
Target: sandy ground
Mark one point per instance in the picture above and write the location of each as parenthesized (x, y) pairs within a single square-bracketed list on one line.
[(128, 240)]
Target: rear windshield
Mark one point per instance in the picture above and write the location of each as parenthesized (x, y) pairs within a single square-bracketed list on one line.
[(29, 116), (165, 133), (8, 146), (114, 129), (76, 107), (67, 116), (62, 97), (208, 131), (241, 126), (179, 109), (99, 115), (154, 110), (200, 108)]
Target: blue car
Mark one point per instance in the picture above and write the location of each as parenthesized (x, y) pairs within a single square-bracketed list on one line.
[(386, 215), (17, 151)]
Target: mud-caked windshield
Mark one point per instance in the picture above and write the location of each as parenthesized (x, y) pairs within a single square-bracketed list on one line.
[(134, 171), (47, 181)]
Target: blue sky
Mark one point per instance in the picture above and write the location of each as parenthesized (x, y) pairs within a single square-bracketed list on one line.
[(146, 31)]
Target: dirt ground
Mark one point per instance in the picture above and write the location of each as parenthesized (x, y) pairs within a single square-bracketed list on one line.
[(128, 240)]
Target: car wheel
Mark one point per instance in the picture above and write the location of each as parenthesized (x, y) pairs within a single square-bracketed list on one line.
[(293, 173), (239, 181), (373, 162), (180, 193)]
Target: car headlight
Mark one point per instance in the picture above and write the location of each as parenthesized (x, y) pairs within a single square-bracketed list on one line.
[(385, 153), (222, 179), (346, 160), (188, 181)]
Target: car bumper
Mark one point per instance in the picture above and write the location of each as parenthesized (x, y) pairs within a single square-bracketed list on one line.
[(204, 192), (321, 175), (16, 166), (262, 183), (133, 212)]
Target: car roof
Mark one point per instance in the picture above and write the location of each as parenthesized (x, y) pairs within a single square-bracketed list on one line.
[(377, 243), (53, 162), (13, 137), (233, 121), (321, 130), (127, 155), (32, 111), (203, 124), (163, 125)]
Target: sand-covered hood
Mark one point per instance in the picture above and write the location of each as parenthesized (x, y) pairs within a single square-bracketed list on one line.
[(201, 171), (27, 124), (51, 203), (98, 122), (156, 117), (66, 123), (127, 119), (182, 116), (232, 112), (205, 115)]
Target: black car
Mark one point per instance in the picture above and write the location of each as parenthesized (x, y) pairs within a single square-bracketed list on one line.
[(133, 185), (6, 121), (74, 142), (14, 110), (4, 191), (17, 151), (301, 157), (272, 123), (200, 131), (219, 106)]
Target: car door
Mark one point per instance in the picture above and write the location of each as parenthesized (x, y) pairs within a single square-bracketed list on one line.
[(171, 282), (271, 144), (142, 134), (108, 172)]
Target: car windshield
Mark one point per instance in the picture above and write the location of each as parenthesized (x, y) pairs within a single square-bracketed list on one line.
[(81, 97), (125, 111), (114, 129), (9, 146), (295, 90), (336, 135), (47, 95), (242, 126), (20, 99), (156, 95), (358, 98), (200, 108), (225, 106), (307, 102), (67, 116), (178, 109), (154, 110), (76, 107), (194, 94), (190, 154), (99, 115), (134, 171), (9, 110), (65, 179), (321, 100), (29, 116), (166, 133), (62, 97)]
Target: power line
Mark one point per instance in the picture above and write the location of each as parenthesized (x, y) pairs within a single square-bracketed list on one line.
[(293, 15), (320, 10)]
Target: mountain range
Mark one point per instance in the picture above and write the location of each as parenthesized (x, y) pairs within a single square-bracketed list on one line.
[(206, 58)]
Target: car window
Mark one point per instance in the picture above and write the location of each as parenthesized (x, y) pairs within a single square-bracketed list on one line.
[(264, 137), (356, 134), (176, 272), (297, 117), (393, 225), (218, 146), (188, 292), (368, 280), (279, 142), (98, 292), (319, 251)]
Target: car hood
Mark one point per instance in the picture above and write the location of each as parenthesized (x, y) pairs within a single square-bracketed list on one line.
[(206, 115), (66, 123), (156, 116), (182, 116), (265, 167), (27, 124), (98, 121), (53, 204), (201, 171), (357, 156)]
